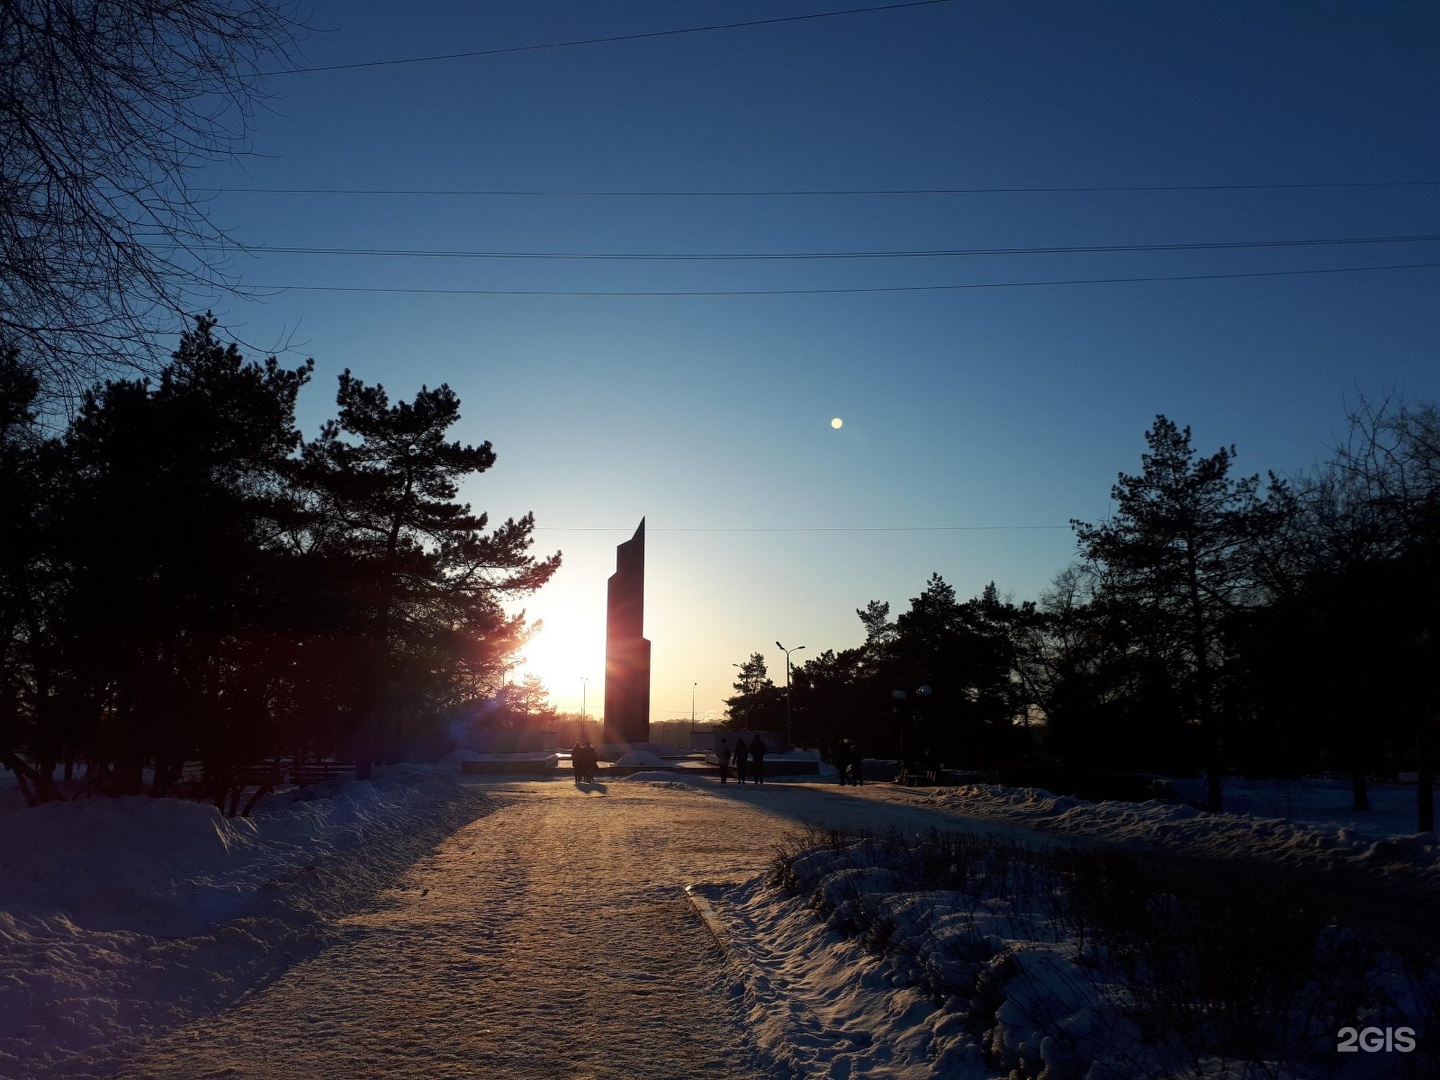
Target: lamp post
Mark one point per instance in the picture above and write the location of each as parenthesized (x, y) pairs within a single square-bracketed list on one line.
[(789, 742), (503, 694), (922, 714), (899, 696), (584, 686), (692, 712)]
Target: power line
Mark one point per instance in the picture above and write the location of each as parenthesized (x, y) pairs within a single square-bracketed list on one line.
[(611, 40), (814, 192), (808, 529), (837, 291), (1087, 249)]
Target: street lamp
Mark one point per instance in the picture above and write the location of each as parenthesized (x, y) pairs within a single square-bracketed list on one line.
[(789, 742), (899, 696), (692, 711), (584, 686)]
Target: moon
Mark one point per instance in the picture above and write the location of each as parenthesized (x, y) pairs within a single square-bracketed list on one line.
[(837, 423)]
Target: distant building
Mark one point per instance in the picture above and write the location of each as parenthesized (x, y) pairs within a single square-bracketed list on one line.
[(627, 652)]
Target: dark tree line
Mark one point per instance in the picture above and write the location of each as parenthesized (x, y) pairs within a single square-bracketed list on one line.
[(1274, 627), (185, 579), (1340, 669), (940, 682)]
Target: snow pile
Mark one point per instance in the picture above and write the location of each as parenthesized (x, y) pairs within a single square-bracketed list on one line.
[(869, 958), (122, 918), (1294, 823), (820, 1004), (855, 969), (659, 778), (639, 759)]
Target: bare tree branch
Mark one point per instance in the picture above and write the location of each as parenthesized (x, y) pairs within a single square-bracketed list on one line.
[(107, 107)]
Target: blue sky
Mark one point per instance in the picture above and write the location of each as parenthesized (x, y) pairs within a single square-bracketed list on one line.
[(978, 405)]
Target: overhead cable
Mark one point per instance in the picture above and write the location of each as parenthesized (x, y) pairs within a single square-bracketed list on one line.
[(1079, 249), (611, 40), (839, 291), (814, 192), (810, 529)]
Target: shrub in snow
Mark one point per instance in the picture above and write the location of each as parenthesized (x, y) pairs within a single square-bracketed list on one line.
[(1089, 964)]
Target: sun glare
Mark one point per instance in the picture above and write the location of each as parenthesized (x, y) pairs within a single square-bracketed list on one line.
[(568, 654)]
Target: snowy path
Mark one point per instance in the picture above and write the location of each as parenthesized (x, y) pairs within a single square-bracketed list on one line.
[(550, 938)]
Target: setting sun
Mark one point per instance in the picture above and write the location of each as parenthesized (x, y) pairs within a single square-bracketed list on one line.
[(568, 655)]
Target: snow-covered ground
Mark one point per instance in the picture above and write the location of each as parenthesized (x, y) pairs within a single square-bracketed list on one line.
[(1294, 822), (121, 920), (998, 978)]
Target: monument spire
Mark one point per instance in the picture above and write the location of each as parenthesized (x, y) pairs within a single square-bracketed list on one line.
[(627, 652)]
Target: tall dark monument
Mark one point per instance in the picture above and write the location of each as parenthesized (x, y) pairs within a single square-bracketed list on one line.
[(627, 653)]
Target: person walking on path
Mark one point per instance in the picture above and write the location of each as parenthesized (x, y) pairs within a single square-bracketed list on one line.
[(842, 761), (742, 755), (857, 760), (577, 763), (757, 759), (722, 758)]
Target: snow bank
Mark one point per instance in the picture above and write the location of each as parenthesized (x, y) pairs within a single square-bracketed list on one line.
[(458, 757), (641, 759), (660, 778), (1290, 822), (849, 968), (122, 918), (820, 1004)]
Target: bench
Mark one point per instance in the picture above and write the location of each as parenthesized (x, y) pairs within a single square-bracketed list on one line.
[(265, 776), (319, 772), (911, 777), (262, 776), (923, 776)]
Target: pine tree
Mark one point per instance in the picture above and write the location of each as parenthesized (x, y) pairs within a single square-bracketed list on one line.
[(167, 543), (1180, 555), (757, 704), (422, 573)]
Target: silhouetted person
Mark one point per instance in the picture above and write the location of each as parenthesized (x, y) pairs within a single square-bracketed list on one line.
[(842, 761), (757, 760), (857, 761), (577, 762), (722, 757), (742, 757), (589, 759)]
